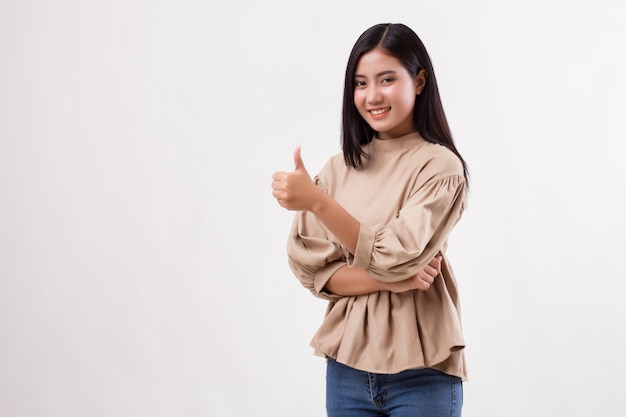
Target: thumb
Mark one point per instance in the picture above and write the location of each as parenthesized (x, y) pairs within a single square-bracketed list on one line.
[(297, 159)]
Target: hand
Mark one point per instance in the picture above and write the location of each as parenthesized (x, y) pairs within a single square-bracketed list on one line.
[(295, 190), (420, 281)]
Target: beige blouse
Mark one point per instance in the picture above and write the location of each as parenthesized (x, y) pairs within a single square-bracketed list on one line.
[(408, 197)]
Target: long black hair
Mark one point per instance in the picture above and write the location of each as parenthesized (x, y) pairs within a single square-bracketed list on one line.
[(429, 118)]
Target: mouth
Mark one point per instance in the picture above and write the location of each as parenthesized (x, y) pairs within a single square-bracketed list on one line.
[(378, 112)]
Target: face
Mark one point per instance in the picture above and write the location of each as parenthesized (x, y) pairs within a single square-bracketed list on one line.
[(384, 93)]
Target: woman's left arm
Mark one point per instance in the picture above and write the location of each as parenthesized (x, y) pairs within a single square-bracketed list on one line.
[(389, 252), (349, 281)]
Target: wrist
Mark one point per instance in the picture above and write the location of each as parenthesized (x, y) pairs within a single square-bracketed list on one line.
[(319, 202)]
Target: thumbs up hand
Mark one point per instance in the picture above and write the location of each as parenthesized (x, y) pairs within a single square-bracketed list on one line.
[(295, 190)]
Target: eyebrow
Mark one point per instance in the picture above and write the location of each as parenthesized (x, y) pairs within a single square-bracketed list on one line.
[(380, 74)]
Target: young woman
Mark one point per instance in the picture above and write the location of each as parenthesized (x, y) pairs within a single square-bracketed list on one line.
[(370, 236)]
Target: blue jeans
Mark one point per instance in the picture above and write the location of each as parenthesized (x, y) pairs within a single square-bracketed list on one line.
[(414, 393)]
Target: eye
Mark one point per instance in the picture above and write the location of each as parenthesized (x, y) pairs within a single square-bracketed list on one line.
[(387, 80), (359, 83)]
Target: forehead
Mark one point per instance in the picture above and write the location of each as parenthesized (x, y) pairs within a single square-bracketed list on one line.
[(377, 60)]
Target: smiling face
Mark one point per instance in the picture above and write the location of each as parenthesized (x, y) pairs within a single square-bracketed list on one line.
[(384, 93)]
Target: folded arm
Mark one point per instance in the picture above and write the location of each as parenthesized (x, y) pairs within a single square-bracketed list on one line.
[(348, 281)]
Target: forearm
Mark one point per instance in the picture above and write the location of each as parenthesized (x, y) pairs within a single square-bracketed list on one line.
[(349, 281), (338, 221), (296, 191)]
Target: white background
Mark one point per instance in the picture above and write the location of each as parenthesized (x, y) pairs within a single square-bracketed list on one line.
[(142, 257)]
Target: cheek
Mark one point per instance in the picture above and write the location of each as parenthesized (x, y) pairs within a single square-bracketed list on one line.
[(359, 101), (358, 98), (409, 96)]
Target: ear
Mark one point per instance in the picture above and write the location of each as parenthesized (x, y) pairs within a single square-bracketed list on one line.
[(420, 81)]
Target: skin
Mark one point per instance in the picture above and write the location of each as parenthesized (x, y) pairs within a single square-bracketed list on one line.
[(384, 96)]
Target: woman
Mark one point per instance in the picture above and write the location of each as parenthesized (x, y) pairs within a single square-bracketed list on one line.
[(370, 236)]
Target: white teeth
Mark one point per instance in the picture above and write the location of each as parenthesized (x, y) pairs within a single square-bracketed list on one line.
[(380, 111)]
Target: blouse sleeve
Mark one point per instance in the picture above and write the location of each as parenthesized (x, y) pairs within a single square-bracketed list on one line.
[(399, 249), (312, 253)]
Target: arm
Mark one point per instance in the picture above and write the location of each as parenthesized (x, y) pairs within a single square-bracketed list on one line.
[(349, 281), (390, 252), (296, 191)]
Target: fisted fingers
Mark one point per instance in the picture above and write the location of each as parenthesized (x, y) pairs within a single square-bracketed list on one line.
[(279, 176), (422, 281), (426, 276), (436, 263), (278, 184)]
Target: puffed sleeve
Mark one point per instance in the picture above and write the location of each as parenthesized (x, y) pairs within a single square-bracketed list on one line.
[(399, 249), (312, 252)]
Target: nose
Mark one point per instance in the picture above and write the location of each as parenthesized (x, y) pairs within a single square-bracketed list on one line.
[(373, 95)]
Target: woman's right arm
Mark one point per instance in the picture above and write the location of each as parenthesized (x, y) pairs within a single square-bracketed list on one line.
[(348, 281)]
